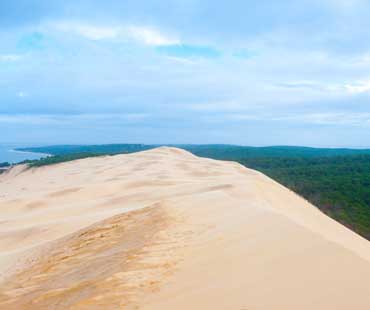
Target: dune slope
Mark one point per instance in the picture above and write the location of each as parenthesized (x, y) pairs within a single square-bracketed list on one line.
[(163, 229)]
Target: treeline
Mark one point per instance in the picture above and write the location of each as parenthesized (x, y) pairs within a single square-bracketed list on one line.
[(216, 151), (339, 186), (90, 149), (234, 152), (51, 160), (3, 167)]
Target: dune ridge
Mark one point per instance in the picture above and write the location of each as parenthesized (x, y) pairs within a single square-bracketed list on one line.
[(164, 229)]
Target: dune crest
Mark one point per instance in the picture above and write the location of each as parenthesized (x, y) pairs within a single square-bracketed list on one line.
[(164, 229)]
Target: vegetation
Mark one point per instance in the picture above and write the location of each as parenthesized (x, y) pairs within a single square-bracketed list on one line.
[(216, 151), (232, 152), (3, 167), (335, 180), (51, 160), (91, 149), (339, 186)]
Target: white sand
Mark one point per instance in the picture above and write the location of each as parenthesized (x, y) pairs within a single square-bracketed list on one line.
[(163, 229)]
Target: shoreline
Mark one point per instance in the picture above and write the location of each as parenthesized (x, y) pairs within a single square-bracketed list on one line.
[(28, 152), (20, 156)]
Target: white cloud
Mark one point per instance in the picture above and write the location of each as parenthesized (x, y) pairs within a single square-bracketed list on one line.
[(346, 6), (215, 106), (22, 94), (325, 118), (183, 61), (25, 119), (141, 34), (53, 119), (330, 118), (358, 87), (362, 60), (10, 57), (88, 31), (150, 36)]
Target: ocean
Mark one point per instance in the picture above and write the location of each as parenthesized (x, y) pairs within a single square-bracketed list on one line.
[(8, 154)]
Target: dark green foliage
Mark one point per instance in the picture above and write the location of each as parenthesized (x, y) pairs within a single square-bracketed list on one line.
[(3, 167), (91, 149), (216, 151), (233, 152), (51, 160), (339, 186)]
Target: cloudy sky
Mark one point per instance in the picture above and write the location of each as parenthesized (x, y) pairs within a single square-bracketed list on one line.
[(266, 72)]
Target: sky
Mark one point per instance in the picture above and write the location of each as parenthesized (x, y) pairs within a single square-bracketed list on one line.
[(266, 72)]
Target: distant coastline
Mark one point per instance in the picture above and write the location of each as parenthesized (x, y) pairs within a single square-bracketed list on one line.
[(10, 154), (28, 152)]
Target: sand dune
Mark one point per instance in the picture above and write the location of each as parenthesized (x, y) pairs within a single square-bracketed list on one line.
[(164, 229)]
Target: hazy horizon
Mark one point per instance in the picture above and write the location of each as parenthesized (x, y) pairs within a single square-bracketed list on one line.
[(38, 144), (9, 151)]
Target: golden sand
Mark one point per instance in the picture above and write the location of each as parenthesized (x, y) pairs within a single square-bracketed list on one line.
[(166, 230)]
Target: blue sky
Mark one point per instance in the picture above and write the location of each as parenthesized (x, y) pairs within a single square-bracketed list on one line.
[(261, 72)]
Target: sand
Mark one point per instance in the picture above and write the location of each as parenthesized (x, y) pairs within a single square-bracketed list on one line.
[(164, 229)]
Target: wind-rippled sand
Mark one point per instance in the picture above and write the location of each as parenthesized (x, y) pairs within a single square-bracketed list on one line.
[(166, 230)]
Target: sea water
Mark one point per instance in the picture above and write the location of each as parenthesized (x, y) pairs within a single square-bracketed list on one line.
[(10, 155)]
